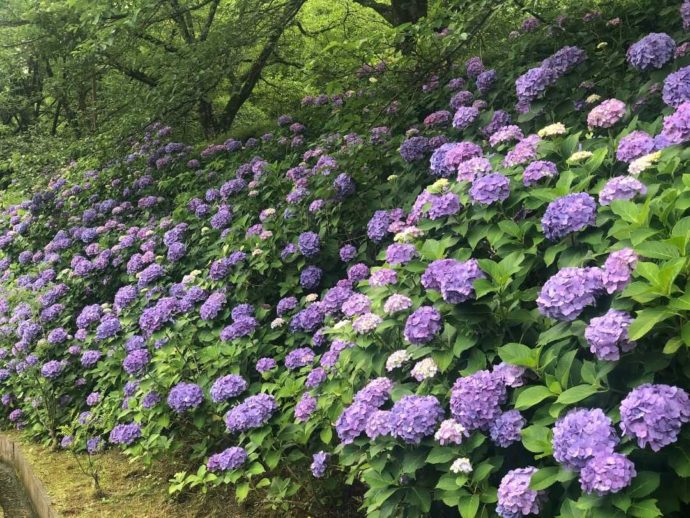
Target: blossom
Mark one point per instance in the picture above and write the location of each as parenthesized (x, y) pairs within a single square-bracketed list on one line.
[(397, 359), (424, 369), (454, 279), (319, 464), (450, 432), (490, 189), (184, 397), (415, 417), (253, 412), (227, 460), (414, 148), (473, 168), (579, 156), (568, 292), (651, 52), (533, 83), (366, 323), (606, 474), (506, 134), (310, 277), (607, 336), (464, 117), (461, 465), (227, 387), (397, 303), (606, 114), (568, 214), (422, 325), (305, 407), (265, 364), (506, 429), (353, 421), (298, 358), (515, 498), (400, 253), (475, 400), (581, 435), (643, 163), (125, 433), (510, 375), (552, 130), (654, 414), (537, 170), (617, 269)]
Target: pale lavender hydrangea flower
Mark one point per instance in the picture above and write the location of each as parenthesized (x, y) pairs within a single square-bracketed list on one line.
[(677, 87), (304, 408), (422, 325), (489, 189), (396, 303), (464, 117), (450, 432), (568, 292), (621, 188), (568, 214), (319, 464), (415, 417), (607, 114), (538, 170), (505, 430), (379, 424), (607, 336), (454, 279), (475, 400), (617, 269), (654, 414), (607, 474), (581, 435), (515, 498), (677, 125)]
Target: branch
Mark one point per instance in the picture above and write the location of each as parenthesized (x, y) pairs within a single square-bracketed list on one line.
[(282, 61), (156, 41), (209, 20), (521, 5), (384, 10), (132, 73), (13, 23)]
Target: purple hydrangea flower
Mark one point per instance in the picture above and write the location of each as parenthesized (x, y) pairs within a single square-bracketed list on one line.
[(304, 408), (212, 306), (607, 114), (352, 421), (454, 279), (90, 358), (375, 393), (184, 397), (265, 364), (383, 277), (135, 361), (677, 87), (227, 460), (414, 148), (400, 253), (310, 277), (505, 430), (422, 325), (315, 378), (475, 400), (651, 52), (533, 83), (538, 170), (125, 434), (319, 464), (581, 435), (634, 145), (253, 412), (607, 336), (415, 417), (569, 291), (464, 117), (565, 60), (227, 387), (490, 189), (348, 253), (617, 269), (568, 214), (515, 498), (677, 125), (607, 474), (298, 358), (654, 414)]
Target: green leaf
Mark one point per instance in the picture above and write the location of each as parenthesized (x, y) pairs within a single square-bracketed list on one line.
[(519, 354), (537, 439), (644, 484), (646, 320), (440, 455), (468, 506), (242, 491), (546, 477), (532, 396), (644, 509), (657, 250), (575, 394), (679, 460)]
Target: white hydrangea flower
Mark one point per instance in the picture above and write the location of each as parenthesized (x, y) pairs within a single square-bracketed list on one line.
[(311, 297), (552, 130), (644, 162), (593, 98), (340, 324), (408, 234), (461, 465), (438, 186), (397, 359), (256, 251), (278, 322), (579, 156), (392, 178), (425, 369)]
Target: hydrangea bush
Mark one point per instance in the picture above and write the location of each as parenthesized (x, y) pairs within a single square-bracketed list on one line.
[(478, 311)]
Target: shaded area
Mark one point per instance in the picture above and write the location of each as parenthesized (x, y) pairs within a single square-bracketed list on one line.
[(13, 499)]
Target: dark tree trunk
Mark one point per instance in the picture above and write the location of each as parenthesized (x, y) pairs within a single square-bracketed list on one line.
[(251, 77), (408, 11), (207, 119)]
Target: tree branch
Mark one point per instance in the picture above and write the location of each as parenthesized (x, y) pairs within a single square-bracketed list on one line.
[(384, 10), (209, 20)]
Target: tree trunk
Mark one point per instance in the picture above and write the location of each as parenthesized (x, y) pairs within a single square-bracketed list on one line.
[(408, 11), (207, 119), (252, 76)]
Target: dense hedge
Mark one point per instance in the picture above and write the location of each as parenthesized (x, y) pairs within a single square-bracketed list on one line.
[(474, 301)]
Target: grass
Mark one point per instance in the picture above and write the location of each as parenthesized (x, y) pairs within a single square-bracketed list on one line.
[(131, 491)]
